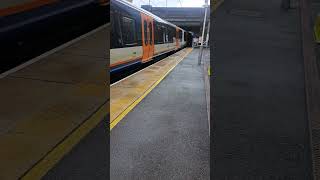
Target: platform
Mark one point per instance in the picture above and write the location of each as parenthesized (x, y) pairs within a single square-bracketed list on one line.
[(261, 129), (166, 134), (131, 90), (49, 105)]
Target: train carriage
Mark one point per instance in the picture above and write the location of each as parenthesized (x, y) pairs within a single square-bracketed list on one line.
[(138, 36)]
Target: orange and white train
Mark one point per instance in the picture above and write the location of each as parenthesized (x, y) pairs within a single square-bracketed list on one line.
[(138, 36)]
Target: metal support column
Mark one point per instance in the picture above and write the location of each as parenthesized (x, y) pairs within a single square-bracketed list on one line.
[(203, 29)]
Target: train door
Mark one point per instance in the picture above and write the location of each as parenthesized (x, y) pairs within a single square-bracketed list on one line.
[(177, 38), (147, 37), (182, 38), (151, 37)]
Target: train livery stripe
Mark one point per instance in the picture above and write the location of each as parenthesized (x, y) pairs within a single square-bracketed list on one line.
[(125, 61), (25, 7), (119, 56), (119, 68), (129, 60)]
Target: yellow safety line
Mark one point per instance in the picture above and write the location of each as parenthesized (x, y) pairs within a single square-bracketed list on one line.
[(55, 155), (126, 111)]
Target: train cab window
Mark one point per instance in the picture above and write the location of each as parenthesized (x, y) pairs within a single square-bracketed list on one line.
[(145, 27), (180, 35), (150, 33), (128, 31)]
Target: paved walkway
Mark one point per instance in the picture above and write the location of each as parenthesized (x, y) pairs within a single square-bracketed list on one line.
[(166, 136), (88, 160), (260, 124)]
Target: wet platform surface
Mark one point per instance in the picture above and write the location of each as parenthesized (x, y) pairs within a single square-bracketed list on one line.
[(43, 103), (260, 120), (166, 136)]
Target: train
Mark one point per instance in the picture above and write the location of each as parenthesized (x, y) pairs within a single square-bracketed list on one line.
[(29, 28), (138, 36)]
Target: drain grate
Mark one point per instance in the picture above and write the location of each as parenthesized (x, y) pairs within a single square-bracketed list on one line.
[(247, 13)]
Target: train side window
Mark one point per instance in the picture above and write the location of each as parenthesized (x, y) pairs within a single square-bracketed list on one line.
[(164, 34), (156, 32), (159, 34), (170, 34), (116, 38), (145, 32), (150, 32), (128, 31)]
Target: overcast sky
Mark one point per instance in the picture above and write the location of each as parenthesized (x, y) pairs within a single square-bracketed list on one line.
[(171, 3)]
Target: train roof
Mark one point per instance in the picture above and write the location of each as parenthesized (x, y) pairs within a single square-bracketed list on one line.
[(147, 13)]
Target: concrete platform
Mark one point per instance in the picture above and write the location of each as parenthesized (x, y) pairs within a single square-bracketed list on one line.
[(260, 120), (45, 102), (87, 160), (128, 91), (166, 136)]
